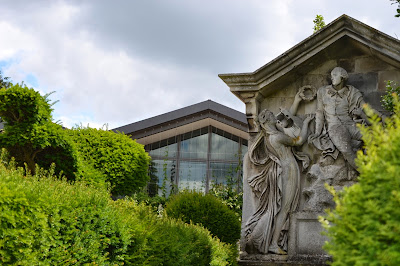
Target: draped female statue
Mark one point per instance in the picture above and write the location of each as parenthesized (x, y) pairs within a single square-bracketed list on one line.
[(277, 185)]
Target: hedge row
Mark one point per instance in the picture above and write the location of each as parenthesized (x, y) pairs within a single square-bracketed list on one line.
[(98, 157), (207, 210), (48, 221)]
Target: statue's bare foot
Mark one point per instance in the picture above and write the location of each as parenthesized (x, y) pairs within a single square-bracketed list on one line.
[(276, 250)]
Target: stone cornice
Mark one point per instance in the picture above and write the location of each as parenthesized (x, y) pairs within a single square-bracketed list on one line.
[(375, 42)]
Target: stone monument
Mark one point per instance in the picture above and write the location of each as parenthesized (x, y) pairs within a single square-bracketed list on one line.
[(302, 110)]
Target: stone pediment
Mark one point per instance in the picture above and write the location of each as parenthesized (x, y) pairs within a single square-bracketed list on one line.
[(303, 110), (342, 39)]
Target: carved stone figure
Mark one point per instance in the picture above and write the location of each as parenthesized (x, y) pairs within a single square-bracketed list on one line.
[(339, 108), (277, 185)]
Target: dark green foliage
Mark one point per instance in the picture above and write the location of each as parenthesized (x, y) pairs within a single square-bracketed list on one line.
[(46, 221), (387, 99), (156, 202), (152, 185), (230, 196), (29, 134), (319, 23), (206, 210), (171, 242), (364, 229), (398, 7), (4, 81), (122, 160)]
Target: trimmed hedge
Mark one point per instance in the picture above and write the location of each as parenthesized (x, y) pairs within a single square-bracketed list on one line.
[(207, 210), (48, 221), (122, 160)]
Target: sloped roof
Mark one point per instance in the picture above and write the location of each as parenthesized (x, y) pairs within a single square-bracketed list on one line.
[(323, 45), (184, 116)]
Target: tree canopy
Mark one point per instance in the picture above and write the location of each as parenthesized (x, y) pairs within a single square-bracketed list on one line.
[(398, 7), (29, 134)]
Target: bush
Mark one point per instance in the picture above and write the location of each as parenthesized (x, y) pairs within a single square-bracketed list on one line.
[(122, 160), (47, 221), (29, 134), (387, 99), (192, 206), (171, 242), (230, 196), (364, 228)]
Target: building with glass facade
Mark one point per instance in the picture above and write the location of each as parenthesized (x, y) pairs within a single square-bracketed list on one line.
[(194, 147)]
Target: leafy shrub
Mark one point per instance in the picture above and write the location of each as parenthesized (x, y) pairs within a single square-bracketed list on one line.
[(171, 242), (230, 196), (122, 160), (47, 221), (206, 210), (154, 202), (29, 134), (364, 229), (387, 99)]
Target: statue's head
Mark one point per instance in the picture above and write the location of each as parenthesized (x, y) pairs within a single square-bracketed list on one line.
[(338, 75), (267, 117)]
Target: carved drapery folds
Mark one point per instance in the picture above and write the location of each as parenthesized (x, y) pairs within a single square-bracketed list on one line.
[(286, 145)]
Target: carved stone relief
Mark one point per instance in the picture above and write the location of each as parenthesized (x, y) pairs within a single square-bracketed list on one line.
[(322, 145)]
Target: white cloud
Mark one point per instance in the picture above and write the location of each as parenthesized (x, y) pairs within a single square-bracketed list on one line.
[(118, 64)]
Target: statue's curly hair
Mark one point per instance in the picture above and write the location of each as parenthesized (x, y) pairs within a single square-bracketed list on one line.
[(343, 73)]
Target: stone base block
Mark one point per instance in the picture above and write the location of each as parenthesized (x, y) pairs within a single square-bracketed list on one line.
[(305, 238)]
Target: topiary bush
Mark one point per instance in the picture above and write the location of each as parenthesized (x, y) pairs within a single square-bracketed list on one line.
[(122, 160), (29, 134), (192, 206), (364, 228)]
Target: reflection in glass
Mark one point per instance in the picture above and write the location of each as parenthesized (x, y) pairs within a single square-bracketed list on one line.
[(244, 150), (224, 173), (164, 152), (189, 152), (194, 145), (166, 148), (166, 174), (223, 148), (192, 175)]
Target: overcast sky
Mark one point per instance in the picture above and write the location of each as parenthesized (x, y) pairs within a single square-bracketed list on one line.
[(118, 62)]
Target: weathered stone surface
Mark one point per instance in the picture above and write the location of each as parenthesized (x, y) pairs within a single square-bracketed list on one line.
[(281, 165)]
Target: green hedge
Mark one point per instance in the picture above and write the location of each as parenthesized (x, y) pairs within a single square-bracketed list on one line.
[(122, 160), (48, 221), (192, 206), (29, 134), (364, 228)]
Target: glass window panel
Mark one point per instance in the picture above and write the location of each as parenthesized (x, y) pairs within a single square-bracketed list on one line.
[(223, 148), (224, 173), (166, 148), (244, 150), (194, 145), (192, 175), (164, 152), (165, 170)]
